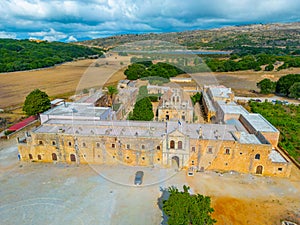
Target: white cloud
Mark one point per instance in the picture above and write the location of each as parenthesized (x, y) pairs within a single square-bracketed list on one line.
[(72, 39), (4, 34), (79, 18), (51, 35)]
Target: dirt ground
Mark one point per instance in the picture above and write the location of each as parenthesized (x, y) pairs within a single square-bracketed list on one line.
[(33, 193)]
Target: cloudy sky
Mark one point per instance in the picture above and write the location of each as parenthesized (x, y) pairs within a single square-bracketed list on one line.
[(71, 20)]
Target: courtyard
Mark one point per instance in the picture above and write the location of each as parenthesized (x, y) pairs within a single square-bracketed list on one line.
[(41, 193)]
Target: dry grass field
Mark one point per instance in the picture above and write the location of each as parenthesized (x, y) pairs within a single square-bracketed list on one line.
[(65, 78)]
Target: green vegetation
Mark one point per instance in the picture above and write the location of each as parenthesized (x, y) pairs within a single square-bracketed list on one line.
[(111, 92), (284, 83), (295, 90), (141, 70), (142, 110), (196, 97), (156, 80), (185, 209), (36, 102), (18, 55), (252, 62), (143, 107), (286, 118), (287, 85), (266, 86)]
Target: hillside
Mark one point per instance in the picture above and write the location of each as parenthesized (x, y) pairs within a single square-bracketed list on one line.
[(19, 55), (227, 38)]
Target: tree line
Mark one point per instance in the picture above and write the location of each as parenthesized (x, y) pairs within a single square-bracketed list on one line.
[(288, 85), (19, 55), (146, 68), (252, 62)]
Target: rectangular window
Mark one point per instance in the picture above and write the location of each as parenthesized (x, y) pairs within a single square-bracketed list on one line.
[(40, 142), (128, 146), (227, 151), (113, 145), (209, 150), (53, 142), (98, 145), (279, 169), (193, 149)]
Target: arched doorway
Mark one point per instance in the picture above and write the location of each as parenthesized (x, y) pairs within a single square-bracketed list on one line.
[(54, 157), (72, 158), (175, 161), (259, 170)]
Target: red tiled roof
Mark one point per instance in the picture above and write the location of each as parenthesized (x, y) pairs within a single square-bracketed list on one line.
[(22, 124)]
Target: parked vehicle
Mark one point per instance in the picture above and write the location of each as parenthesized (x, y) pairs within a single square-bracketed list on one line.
[(138, 180)]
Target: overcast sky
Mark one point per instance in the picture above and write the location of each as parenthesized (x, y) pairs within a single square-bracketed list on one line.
[(60, 20)]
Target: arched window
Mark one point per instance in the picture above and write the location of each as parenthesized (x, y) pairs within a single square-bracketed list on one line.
[(172, 144), (179, 144), (259, 170), (39, 157), (83, 144), (72, 158), (30, 156), (54, 157), (257, 156)]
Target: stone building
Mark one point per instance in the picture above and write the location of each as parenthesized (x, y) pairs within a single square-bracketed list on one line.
[(202, 147), (175, 105), (241, 141)]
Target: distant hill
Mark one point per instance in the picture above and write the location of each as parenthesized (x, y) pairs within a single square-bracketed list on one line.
[(227, 38), (18, 55)]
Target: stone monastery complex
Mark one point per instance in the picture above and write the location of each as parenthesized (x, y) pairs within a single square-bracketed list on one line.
[(233, 140)]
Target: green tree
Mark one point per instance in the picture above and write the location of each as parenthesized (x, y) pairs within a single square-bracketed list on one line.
[(269, 67), (134, 71), (111, 93), (185, 209), (142, 110), (266, 86), (284, 83), (196, 97), (295, 90), (36, 102)]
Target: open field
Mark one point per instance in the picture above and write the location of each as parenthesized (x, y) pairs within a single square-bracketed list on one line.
[(71, 77), (65, 78), (33, 193)]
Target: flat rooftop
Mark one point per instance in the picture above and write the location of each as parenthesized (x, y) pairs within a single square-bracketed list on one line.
[(259, 123), (232, 108), (247, 138), (276, 157), (77, 109), (220, 91)]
